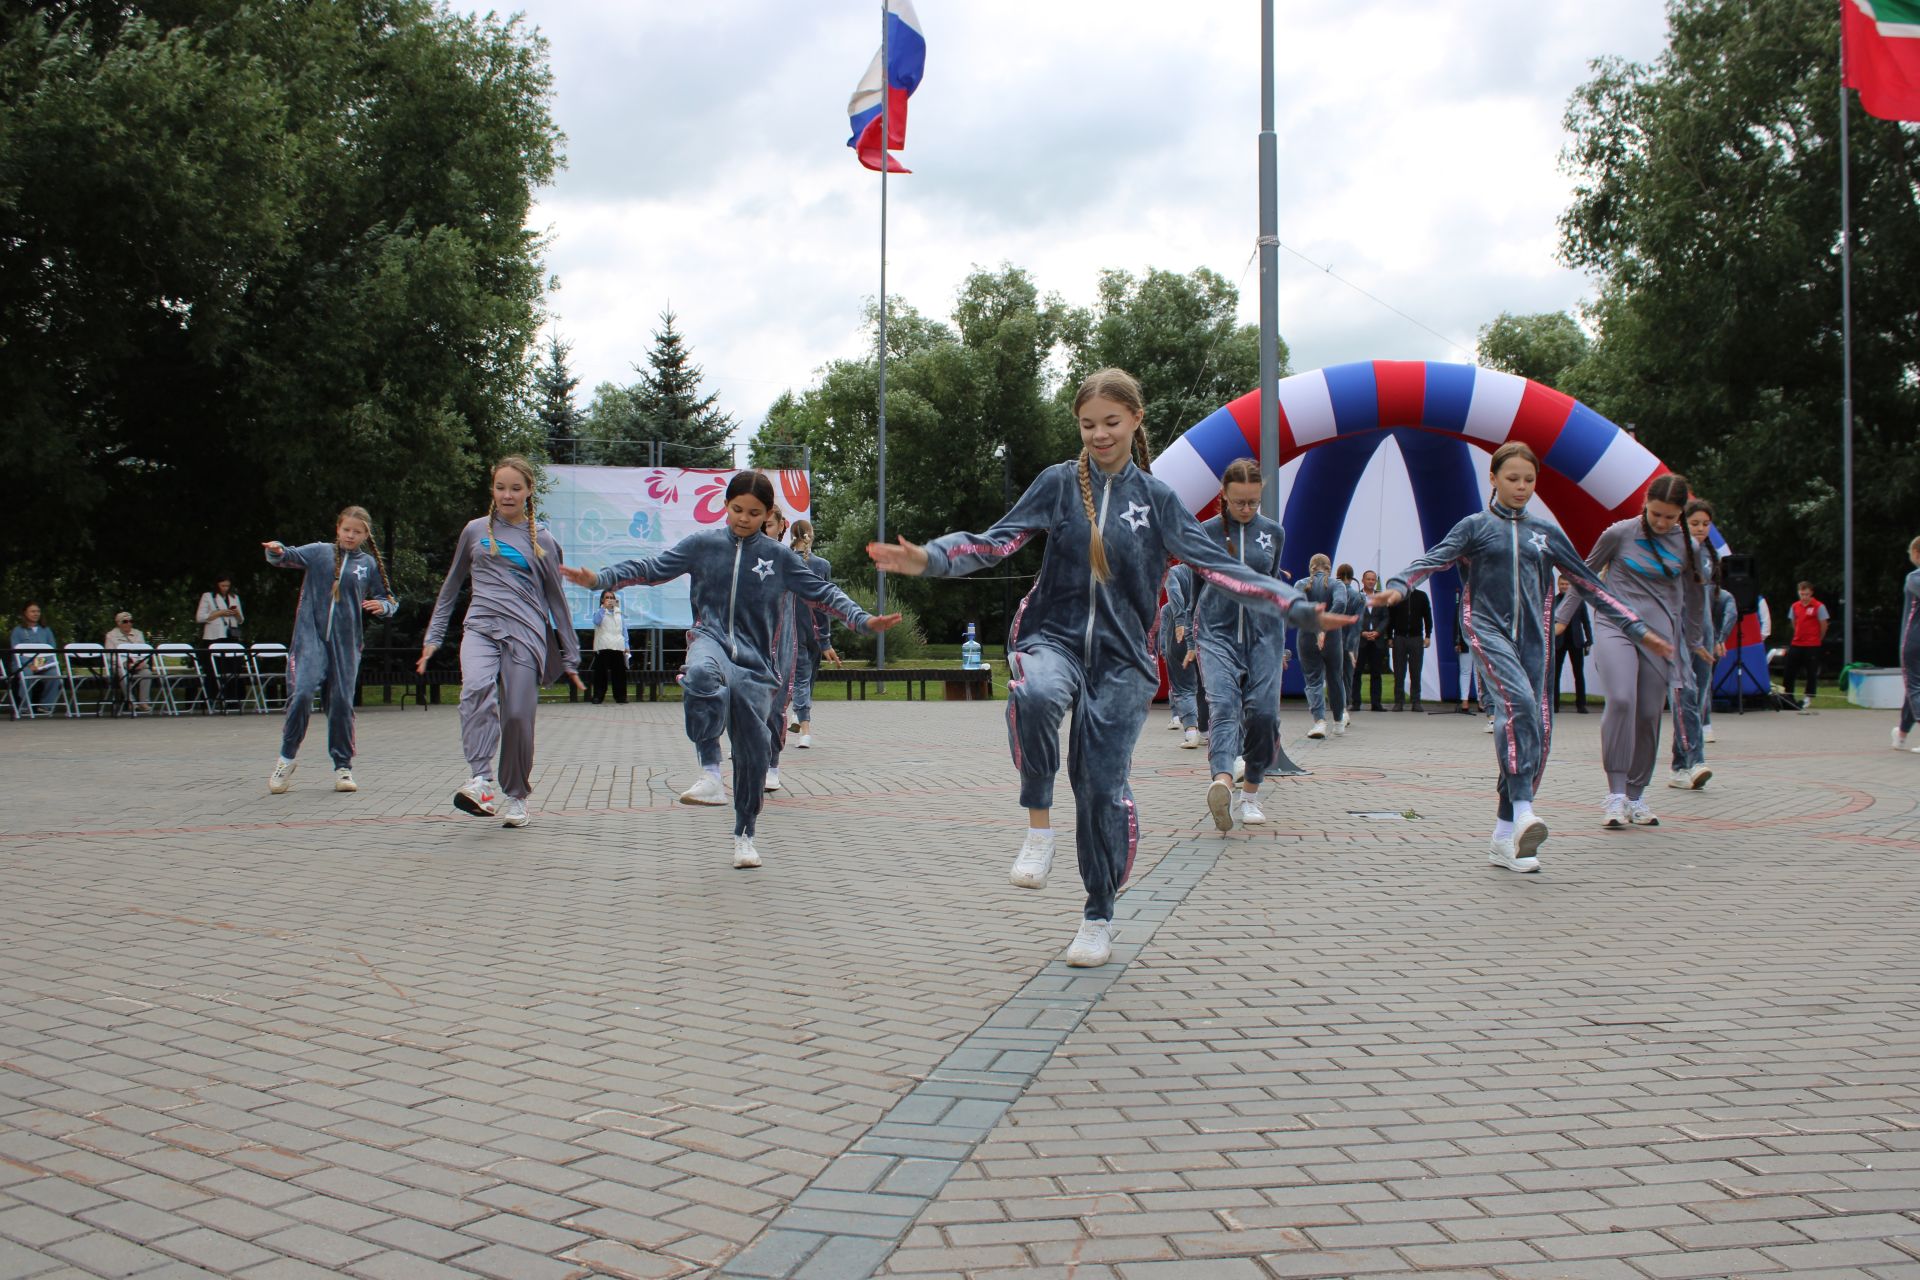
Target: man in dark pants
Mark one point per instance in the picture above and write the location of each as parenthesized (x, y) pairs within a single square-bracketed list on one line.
[(1572, 644), (1372, 630), (1409, 630)]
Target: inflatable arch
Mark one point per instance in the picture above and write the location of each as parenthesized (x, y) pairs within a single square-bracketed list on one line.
[(1335, 419)]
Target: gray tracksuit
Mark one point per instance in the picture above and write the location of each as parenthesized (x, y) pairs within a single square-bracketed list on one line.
[(1689, 706), (740, 650), (1910, 651), (1649, 575), (1086, 645), (517, 636), (1323, 667), (816, 637), (1240, 653), (326, 640), (1177, 614), (1507, 559), (1353, 602)]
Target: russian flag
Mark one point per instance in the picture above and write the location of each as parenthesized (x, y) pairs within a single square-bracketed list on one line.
[(895, 70)]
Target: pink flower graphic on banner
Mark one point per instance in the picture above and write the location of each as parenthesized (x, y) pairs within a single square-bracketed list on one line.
[(660, 490), (710, 501)]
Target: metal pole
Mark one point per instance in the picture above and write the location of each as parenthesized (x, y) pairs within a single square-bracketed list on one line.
[(1846, 374), (886, 123), (1269, 276)]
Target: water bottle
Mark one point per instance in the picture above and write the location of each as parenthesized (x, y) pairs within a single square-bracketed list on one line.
[(970, 651)]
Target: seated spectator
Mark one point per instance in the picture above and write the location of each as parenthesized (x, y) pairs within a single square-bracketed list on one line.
[(135, 673), (40, 674)]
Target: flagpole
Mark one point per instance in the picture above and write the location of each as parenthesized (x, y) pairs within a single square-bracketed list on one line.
[(1846, 369), (886, 124), (1269, 277)]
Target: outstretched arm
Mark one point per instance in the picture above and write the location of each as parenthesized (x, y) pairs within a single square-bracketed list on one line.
[(798, 577), (1580, 575), (1182, 536), (955, 554), (449, 592), (1444, 554), (642, 571)]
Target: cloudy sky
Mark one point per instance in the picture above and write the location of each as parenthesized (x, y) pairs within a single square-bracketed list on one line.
[(707, 167)]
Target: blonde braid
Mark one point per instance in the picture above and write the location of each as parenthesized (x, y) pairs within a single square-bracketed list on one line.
[(386, 580), (533, 530), (337, 554), (1141, 455), (1096, 547), (491, 507)]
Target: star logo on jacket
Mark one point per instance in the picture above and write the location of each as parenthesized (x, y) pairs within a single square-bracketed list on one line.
[(360, 572), (763, 569), (1265, 540), (1136, 516), (1539, 540)]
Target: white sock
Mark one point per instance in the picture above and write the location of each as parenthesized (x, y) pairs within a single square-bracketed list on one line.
[(1503, 828), (1043, 834), (1619, 796), (713, 771), (1522, 810), (286, 759)]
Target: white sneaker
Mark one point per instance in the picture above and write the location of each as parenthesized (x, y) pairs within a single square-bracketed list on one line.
[(1250, 814), (1529, 833), (1489, 724), (707, 790), (1899, 744), (1239, 770), (1092, 946), (1034, 861), (1340, 727), (805, 742), (1503, 852), (745, 856), (1697, 776), (1680, 780), (773, 779), (1191, 741), (282, 777), (1319, 729), (1640, 814), (1616, 812), (477, 797), (1706, 734), (343, 780), (1346, 718), (514, 813), (1220, 804), (1175, 724)]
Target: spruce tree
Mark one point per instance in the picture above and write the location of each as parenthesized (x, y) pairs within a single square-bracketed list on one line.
[(553, 407), (691, 431)]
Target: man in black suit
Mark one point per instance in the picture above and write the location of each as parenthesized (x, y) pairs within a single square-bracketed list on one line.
[(1409, 630)]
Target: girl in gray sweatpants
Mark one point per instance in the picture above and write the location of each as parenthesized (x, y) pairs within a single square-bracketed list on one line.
[(1080, 640), (517, 636), (738, 650), (1644, 560), (326, 637), (1690, 771), (1910, 650), (1176, 641), (1507, 559)]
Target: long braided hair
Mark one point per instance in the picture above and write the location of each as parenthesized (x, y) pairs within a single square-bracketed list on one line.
[(1123, 389), (525, 468), (366, 522)]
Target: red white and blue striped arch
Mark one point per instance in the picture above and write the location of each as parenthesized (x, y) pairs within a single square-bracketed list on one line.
[(1592, 472), (1379, 459)]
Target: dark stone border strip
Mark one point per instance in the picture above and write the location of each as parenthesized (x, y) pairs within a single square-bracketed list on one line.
[(850, 1218)]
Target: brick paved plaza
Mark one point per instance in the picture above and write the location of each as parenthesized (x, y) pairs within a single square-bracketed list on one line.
[(310, 1035)]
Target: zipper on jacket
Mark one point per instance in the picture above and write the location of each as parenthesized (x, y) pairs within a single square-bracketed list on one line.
[(733, 592), (1240, 631), (1093, 579), (1513, 607)]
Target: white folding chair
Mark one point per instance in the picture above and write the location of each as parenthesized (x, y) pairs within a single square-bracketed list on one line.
[(272, 676), (183, 685), (90, 685), (229, 673), (34, 673)]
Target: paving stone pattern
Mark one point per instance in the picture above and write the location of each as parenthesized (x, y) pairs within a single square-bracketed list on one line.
[(319, 1034)]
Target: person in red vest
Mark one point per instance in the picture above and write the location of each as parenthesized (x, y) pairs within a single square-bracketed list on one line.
[(1810, 622)]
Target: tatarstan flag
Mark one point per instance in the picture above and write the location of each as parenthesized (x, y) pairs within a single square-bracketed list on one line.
[(1882, 40)]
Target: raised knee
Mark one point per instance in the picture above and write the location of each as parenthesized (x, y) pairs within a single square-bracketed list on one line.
[(703, 680)]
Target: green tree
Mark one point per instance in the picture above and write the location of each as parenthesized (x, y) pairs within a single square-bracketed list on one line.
[(553, 407), (970, 421), (1178, 334), (257, 262), (614, 430), (691, 432), (1706, 204), (1543, 347)]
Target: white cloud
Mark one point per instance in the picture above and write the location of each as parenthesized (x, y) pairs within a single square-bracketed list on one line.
[(1419, 157)]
